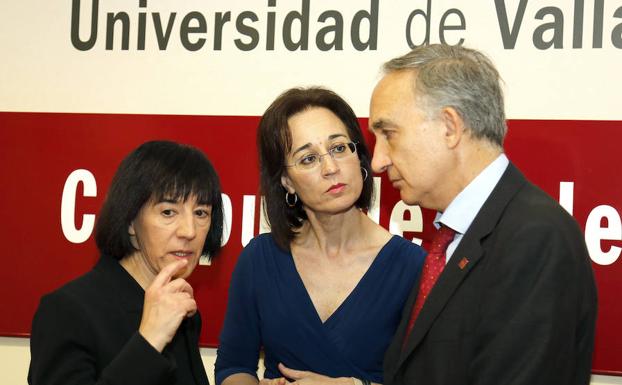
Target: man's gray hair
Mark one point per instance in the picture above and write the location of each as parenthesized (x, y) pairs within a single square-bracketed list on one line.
[(461, 78)]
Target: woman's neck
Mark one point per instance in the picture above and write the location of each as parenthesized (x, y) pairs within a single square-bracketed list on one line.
[(333, 234), (136, 266)]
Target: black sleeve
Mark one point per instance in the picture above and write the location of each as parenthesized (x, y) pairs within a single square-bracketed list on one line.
[(538, 316), (64, 351)]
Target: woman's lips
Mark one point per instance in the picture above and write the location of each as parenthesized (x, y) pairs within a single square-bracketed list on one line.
[(336, 188), (181, 254)]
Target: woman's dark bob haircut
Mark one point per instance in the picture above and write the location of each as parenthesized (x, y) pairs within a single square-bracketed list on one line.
[(274, 142), (154, 171)]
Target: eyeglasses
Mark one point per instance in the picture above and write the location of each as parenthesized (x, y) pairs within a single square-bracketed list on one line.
[(337, 151)]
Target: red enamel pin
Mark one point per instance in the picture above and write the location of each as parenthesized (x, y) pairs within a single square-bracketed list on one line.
[(463, 262)]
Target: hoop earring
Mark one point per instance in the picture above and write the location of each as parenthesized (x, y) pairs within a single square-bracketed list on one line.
[(287, 200), (366, 173)]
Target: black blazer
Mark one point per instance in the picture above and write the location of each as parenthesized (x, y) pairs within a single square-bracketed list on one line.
[(86, 332), (520, 310)]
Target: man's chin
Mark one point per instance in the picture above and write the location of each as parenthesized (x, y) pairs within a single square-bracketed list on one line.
[(408, 198)]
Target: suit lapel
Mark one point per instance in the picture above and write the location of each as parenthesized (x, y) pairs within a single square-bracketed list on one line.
[(442, 291), (395, 348), (456, 271)]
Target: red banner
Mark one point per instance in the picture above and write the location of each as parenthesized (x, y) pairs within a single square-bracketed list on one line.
[(56, 169)]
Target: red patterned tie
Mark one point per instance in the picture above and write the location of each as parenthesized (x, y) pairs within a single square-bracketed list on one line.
[(432, 268)]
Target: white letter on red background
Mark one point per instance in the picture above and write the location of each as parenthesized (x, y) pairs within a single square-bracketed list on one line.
[(374, 209), (566, 196), (397, 224), (248, 218), (594, 233), (227, 210), (68, 206)]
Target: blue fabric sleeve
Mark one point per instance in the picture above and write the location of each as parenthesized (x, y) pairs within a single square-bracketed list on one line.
[(240, 340)]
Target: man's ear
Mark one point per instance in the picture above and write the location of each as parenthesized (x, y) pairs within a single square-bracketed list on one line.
[(130, 229), (454, 126), (287, 184)]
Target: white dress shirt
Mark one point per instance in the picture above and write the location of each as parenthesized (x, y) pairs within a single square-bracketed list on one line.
[(462, 210)]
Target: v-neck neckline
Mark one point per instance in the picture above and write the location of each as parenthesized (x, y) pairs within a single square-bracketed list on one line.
[(349, 298)]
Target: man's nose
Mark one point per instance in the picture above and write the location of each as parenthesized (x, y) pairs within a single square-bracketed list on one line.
[(380, 160)]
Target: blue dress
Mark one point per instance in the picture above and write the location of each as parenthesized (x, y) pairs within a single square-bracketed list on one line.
[(270, 307)]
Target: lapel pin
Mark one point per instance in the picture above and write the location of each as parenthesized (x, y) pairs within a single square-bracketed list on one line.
[(463, 262)]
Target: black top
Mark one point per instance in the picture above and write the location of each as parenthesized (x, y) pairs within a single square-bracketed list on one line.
[(86, 332)]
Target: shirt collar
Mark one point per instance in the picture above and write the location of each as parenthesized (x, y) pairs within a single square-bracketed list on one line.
[(462, 210)]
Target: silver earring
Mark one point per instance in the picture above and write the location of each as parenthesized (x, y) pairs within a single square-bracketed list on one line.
[(366, 173), (287, 200)]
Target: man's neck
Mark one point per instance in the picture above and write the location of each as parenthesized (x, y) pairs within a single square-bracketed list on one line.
[(471, 161)]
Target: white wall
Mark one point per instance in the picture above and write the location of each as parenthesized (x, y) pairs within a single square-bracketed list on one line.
[(15, 355), (540, 83)]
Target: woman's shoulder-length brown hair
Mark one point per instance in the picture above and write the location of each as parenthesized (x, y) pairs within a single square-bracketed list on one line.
[(274, 143)]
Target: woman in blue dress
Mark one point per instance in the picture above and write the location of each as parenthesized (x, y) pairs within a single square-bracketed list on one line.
[(322, 294)]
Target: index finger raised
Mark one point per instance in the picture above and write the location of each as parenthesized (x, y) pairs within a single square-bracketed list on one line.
[(165, 275)]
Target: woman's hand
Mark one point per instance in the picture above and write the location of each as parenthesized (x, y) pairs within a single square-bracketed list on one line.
[(303, 377), (167, 303), (275, 381)]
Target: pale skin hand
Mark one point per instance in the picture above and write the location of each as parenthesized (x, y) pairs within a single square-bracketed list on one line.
[(303, 377), (247, 379), (276, 381), (299, 377), (167, 302)]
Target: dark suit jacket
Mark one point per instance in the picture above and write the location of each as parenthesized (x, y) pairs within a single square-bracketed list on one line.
[(86, 332), (521, 311)]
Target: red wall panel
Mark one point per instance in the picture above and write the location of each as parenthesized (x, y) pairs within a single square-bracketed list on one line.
[(40, 150)]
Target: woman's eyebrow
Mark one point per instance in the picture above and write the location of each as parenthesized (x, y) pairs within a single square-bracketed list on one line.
[(330, 137), (301, 148)]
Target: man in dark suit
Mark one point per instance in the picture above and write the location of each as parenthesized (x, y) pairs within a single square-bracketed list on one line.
[(508, 297)]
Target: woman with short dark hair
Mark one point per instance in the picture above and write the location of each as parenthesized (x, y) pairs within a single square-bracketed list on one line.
[(133, 319), (323, 293)]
